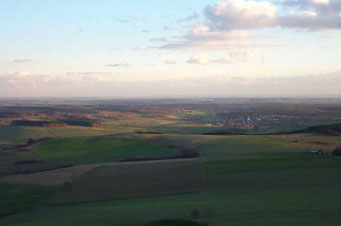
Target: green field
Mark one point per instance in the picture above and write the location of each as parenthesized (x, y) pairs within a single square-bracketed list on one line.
[(11, 135), (17, 198), (86, 150), (317, 205), (78, 131), (18, 134), (13, 162), (238, 180), (132, 180)]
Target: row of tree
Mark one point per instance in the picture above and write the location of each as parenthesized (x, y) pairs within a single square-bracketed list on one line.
[(333, 129)]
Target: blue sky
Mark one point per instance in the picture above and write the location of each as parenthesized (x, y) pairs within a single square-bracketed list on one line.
[(168, 48)]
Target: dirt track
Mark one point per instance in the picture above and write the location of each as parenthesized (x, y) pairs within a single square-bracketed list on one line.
[(59, 176)]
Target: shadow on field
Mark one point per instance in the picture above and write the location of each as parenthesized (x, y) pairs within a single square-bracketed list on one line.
[(132, 180)]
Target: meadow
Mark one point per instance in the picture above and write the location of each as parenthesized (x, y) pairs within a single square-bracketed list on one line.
[(304, 205), (86, 150), (134, 180), (77, 177)]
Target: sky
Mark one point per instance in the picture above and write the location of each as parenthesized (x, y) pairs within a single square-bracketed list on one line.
[(159, 48)]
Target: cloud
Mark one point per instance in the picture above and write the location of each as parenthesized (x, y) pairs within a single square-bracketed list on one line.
[(141, 48), (315, 15), (240, 14), (227, 22), (201, 59), (27, 80), (290, 85), (321, 2), (246, 56), (167, 28), (158, 40), (170, 62), (118, 65), (94, 78), (22, 79), (105, 84), (309, 15), (323, 7), (89, 73), (228, 85), (201, 37), (129, 20), (232, 57), (21, 74), (21, 60), (193, 16)]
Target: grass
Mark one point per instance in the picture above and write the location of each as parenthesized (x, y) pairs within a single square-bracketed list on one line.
[(127, 180), (10, 135), (15, 198), (289, 206), (234, 166), (86, 150), (184, 129), (248, 180), (75, 131), (137, 121), (261, 147), (20, 134), (273, 179), (8, 160)]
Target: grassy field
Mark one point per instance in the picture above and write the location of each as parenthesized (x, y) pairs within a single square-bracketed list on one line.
[(132, 180), (86, 150), (185, 129), (18, 134), (139, 122), (78, 131), (317, 205), (16, 162), (11, 135), (17, 198), (246, 180)]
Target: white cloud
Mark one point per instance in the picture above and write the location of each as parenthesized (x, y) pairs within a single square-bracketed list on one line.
[(193, 16), (95, 78), (26, 80), (21, 60), (246, 56), (321, 2), (232, 57), (199, 59), (102, 84), (312, 15), (227, 22), (202, 38), (23, 79), (21, 74), (170, 62), (118, 65), (140, 48), (240, 14)]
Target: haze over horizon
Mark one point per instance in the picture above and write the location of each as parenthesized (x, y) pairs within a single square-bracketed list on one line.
[(160, 48)]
